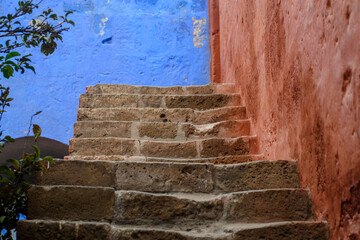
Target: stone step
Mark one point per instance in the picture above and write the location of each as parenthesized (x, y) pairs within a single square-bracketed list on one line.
[(204, 148), (198, 102), (134, 207), (155, 130), (213, 160), (71, 203), (162, 114), (177, 90), (173, 177), (72, 230)]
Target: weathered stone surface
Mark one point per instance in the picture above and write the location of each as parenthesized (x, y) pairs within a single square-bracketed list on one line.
[(285, 231), (213, 160), (102, 146), (108, 114), (269, 205), (164, 177), (218, 115), (167, 115), (226, 129), (158, 130), (108, 101), (159, 234), (56, 230), (92, 129), (111, 89), (206, 89), (256, 175), (150, 101), (202, 102), (169, 149), (146, 207), (73, 203), (223, 147), (177, 90), (82, 173)]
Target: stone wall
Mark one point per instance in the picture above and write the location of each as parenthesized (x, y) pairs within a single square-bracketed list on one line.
[(297, 65)]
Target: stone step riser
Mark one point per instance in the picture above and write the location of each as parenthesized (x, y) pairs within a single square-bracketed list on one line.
[(179, 90), (198, 102), (97, 204), (44, 230), (173, 177), (169, 131), (162, 115), (189, 149)]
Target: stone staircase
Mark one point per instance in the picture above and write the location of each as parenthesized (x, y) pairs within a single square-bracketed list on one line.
[(174, 163)]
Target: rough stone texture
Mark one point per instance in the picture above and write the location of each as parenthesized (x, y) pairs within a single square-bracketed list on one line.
[(158, 130), (102, 129), (218, 115), (72, 203), (169, 149), (45, 230), (202, 102), (158, 234), (164, 177), (223, 147), (108, 114), (269, 206), (285, 231), (102, 146), (162, 90), (146, 207), (150, 101), (111, 89), (82, 173), (256, 175), (167, 115), (297, 65), (107, 101)]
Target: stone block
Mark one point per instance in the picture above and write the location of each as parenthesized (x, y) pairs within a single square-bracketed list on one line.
[(92, 129), (177, 90), (256, 175), (167, 115), (150, 101), (158, 130), (61, 230), (102, 146), (108, 101), (71, 203), (164, 177), (223, 147), (218, 115), (108, 114), (111, 89), (269, 206), (81, 173), (169, 149), (146, 207)]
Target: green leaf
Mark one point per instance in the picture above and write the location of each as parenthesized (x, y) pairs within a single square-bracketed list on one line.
[(7, 71), (15, 163), (48, 48), (68, 13), (11, 55), (37, 151), (49, 159), (36, 131)]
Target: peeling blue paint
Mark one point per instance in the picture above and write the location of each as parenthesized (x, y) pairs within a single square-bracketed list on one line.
[(139, 42)]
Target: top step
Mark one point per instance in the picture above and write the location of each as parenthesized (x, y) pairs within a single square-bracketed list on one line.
[(176, 90)]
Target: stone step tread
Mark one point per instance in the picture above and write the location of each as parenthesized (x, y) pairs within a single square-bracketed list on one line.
[(180, 90), (162, 114), (173, 177), (155, 130), (199, 102), (135, 207), (195, 148), (49, 229), (213, 160)]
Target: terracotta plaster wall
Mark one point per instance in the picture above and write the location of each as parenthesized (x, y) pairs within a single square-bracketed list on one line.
[(297, 65)]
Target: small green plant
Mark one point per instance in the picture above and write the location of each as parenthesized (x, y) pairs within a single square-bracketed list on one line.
[(14, 185)]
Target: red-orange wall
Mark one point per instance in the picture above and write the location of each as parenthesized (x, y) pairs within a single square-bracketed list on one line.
[(297, 65)]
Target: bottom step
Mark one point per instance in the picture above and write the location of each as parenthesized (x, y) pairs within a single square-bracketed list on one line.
[(67, 230)]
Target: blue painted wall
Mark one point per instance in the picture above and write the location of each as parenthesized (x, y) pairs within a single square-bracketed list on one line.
[(139, 42)]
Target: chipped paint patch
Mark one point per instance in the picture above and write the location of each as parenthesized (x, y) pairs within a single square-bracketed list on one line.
[(102, 25), (199, 32)]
